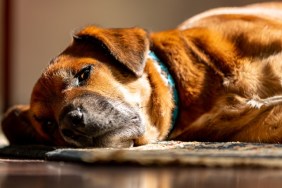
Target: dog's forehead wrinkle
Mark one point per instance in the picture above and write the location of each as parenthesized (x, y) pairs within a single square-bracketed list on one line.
[(59, 76), (51, 84)]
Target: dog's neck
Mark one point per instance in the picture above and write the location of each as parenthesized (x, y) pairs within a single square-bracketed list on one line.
[(168, 79)]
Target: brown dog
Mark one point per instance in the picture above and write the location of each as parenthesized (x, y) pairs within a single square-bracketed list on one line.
[(107, 90)]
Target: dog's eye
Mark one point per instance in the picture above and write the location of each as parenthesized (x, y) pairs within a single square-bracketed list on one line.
[(48, 126), (84, 74)]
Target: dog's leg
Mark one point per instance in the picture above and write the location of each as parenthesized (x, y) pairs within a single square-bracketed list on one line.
[(236, 121), (267, 102)]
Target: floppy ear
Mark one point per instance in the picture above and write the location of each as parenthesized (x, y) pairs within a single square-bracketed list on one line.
[(128, 46), (17, 127)]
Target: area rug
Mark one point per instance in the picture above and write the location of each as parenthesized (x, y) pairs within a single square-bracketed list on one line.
[(196, 154)]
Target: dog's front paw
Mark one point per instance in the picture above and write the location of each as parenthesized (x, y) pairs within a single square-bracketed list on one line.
[(16, 126)]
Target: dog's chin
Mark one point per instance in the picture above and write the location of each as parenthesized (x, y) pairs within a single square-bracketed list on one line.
[(122, 137), (105, 141)]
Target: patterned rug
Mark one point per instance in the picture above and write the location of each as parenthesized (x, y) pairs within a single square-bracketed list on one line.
[(196, 154)]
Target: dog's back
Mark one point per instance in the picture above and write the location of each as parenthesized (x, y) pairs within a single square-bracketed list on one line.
[(237, 90), (263, 10)]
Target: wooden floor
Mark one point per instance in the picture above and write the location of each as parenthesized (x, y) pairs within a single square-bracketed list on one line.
[(41, 174)]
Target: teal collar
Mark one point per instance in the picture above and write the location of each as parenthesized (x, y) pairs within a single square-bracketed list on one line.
[(171, 83)]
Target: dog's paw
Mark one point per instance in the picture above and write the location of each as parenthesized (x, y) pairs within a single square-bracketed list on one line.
[(267, 102)]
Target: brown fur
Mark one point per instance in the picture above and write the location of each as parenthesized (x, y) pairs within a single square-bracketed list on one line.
[(226, 66)]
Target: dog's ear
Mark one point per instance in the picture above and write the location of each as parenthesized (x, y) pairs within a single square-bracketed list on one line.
[(16, 125), (128, 46)]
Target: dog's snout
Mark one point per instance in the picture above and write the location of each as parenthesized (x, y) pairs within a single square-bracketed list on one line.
[(94, 120)]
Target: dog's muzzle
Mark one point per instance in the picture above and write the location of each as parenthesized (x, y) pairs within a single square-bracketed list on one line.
[(91, 120)]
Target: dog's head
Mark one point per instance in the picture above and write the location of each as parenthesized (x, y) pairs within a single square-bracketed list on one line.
[(95, 93)]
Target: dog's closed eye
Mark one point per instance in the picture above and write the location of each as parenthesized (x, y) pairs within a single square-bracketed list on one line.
[(48, 126), (84, 74)]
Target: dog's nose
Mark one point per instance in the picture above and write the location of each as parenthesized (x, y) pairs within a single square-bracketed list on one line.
[(74, 117)]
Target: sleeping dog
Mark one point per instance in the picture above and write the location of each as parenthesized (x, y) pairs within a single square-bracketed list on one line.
[(216, 77)]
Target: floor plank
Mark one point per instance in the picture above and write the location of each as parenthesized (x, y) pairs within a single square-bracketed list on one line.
[(41, 174)]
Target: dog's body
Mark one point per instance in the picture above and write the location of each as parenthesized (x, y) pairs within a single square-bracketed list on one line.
[(105, 91)]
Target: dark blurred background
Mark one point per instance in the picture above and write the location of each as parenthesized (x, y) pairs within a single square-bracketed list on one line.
[(34, 31)]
